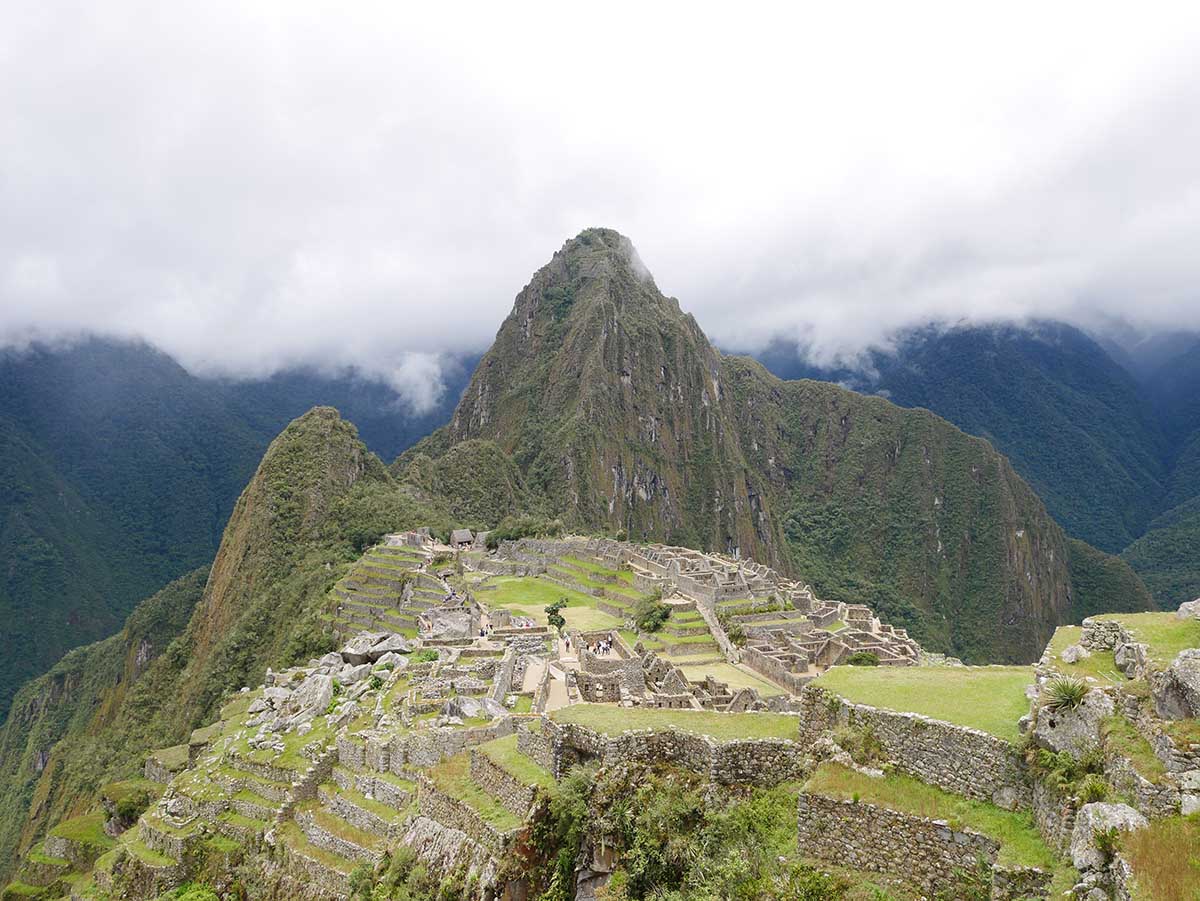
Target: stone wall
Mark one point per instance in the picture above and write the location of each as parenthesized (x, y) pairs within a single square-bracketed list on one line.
[(774, 670), (905, 848), (537, 745), (1054, 815), (752, 761), (432, 802), (1151, 800), (964, 761), (516, 796)]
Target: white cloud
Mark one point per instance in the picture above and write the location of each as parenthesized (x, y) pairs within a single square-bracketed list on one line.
[(251, 186)]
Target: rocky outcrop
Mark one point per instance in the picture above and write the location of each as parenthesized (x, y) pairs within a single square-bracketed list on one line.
[(1074, 730), (1176, 691)]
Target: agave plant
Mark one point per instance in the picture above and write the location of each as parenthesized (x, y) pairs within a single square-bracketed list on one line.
[(1064, 693)]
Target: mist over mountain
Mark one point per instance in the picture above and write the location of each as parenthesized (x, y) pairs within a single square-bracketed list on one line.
[(119, 472), (1104, 426)]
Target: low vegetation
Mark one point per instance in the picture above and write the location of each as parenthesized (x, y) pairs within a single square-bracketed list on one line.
[(989, 698), (1165, 860)]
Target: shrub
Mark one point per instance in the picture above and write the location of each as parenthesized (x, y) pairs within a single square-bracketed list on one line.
[(1093, 788), (863, 658), (862, 744), (376, 683), (649, 615), (133, 806), (1107, 842), (1064, 693), (553, 616), (425, 655)]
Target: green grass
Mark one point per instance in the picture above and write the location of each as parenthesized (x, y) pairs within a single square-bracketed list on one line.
[(453, 776), (1120, 735), (736, 678), (20, 888), (1020, 843), (1165, 633), (988, 698), (119, 791), (141, 850), (173, 758), (1100, 665), (339, 827), (529, 596), (87, 830), (503, 752), (722, 726), (1165, 859), (291, 834), (524, 704), (624, 575)]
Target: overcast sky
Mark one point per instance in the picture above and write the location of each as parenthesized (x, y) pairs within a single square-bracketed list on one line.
[(250, 186)]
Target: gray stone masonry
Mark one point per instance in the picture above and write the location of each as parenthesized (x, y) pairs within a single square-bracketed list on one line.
[(960, 760), (906, 849), (750, 761), (515, 795)]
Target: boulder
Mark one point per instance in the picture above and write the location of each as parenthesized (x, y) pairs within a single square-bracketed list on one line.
[(463, 707), (1189, 610), (396, 661), (1073, 653), (310, 698), (392, 644), (275, 696), (331, 660), (493, 708), (1130, 658), (1096, 818), (357, 649), (351, 674), (1176, 691), (1075, 731)]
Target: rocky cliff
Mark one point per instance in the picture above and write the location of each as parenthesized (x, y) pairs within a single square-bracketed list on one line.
[(619, 412)]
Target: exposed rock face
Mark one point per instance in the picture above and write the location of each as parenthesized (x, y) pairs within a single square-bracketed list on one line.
[(1189, 610), (1094, 819), (1075, 731), (1176, 692), (617, 409)]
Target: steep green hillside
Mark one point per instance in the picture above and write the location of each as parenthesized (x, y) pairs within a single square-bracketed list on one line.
[(1167, 557), (1074, 423), (316, 500), (618, 411), (78, 701), (118, 471)]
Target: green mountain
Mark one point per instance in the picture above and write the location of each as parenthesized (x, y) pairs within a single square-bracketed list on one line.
[(317, 498), (118, 471), (1110, 440), (1075, 424), (618, 411)]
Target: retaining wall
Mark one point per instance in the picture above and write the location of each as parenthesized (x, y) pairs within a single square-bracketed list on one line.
[(964, 761), (906, 849)]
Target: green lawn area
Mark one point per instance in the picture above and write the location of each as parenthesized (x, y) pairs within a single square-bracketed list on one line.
[(1100, 665), (1166, 634), (503, 752), (989, 698), (86, 830), (1020, 842), (613, 720), (453, 776), (737, 678), (529, 596)]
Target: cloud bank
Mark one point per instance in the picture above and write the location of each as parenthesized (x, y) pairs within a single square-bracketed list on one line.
[(254, 186)]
